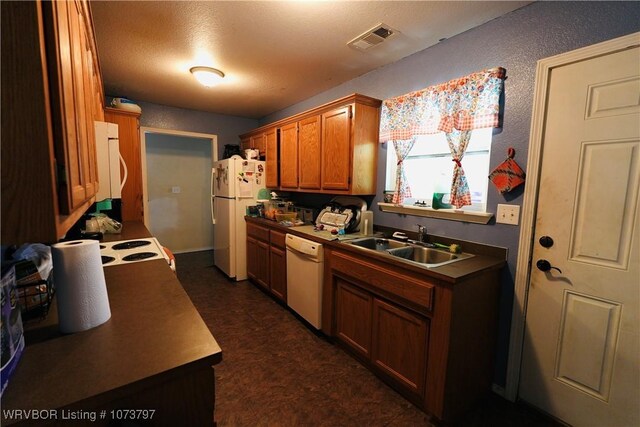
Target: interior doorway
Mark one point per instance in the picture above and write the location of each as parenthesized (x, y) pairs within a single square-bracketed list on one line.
[(578, 347), (176, 169)]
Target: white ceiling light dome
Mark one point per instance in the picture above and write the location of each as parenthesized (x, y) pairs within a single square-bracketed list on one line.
[(207, 76)]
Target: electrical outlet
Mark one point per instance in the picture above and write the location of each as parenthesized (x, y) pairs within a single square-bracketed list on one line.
[(508, 214), (175, 190)]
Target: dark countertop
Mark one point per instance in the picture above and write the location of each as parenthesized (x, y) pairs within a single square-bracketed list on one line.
[(154, 328), (485, 257)]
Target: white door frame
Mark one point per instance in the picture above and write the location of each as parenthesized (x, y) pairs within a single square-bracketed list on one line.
[(143, 154), (530, 202)]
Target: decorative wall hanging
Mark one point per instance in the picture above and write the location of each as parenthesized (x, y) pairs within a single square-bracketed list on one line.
[(508, 174), (455, 108)]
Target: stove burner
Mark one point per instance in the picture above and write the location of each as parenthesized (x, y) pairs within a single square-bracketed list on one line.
[(139, 256), (107, 259), (102, 247), (130, 244)]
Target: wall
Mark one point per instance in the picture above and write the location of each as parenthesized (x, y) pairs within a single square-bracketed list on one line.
[(181, 221), (516, 42), (227, 128)]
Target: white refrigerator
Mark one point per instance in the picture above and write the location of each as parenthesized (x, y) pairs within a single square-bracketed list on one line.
[(235, 183)]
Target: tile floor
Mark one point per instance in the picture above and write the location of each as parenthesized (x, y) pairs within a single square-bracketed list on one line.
[(277, 372)]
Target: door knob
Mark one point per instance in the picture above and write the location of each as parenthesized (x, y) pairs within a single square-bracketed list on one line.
[(544, 265), (546, 241)]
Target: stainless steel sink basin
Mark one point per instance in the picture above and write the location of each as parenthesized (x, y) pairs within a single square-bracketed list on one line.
[(409, 252), (424, 255), (377, 244)]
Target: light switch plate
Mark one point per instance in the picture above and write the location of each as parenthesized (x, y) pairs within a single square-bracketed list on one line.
[(176, 190), (508, 214)]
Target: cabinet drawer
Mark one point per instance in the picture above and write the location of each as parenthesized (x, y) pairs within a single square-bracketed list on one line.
[(260, 233), (390, 282), (278, 239)]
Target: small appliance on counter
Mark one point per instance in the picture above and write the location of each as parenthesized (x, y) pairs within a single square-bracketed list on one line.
[(306, 215), (342, 212)]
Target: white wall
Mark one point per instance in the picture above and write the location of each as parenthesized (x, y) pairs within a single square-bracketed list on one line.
[(181, 221)]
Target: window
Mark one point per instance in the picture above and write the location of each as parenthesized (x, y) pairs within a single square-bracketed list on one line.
[(429, 168)]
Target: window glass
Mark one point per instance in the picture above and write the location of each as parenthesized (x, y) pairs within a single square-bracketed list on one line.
[(429, 168)]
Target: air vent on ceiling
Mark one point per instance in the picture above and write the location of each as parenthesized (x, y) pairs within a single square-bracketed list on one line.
[(372, 37)]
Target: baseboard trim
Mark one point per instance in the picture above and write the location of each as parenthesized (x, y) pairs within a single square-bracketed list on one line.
[(184, 251), (499, 390)]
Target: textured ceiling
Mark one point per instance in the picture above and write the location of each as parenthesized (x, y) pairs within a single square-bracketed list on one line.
[(274, 53)]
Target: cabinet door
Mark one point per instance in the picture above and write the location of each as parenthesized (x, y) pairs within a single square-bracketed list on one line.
[(252, 258), (289, 156), (400, 345), (271, 164), (353, 317), (258, 261), (129, 135), (310, 156), (336, 149), (91, 173), (245, 144), (278, 273), (257, 142), (69, 108)]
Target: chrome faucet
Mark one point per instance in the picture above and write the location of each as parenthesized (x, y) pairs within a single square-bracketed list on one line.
[(422, 233)]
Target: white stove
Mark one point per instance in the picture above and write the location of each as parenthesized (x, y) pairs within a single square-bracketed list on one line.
[(128, 251)]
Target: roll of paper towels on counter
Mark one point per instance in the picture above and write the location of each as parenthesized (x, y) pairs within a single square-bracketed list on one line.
[(366, 223), (81, 290)]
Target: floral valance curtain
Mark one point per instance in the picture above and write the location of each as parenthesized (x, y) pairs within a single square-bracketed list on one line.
[(456, 108)]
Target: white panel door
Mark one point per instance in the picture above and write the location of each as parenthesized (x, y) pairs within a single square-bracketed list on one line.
[(581, 351)]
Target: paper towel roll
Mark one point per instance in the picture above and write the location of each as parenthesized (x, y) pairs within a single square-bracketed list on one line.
[(81, 290)]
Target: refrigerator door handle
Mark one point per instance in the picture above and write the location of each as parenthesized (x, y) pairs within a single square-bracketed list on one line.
[(213, 214), (126, 171), (213, 177)]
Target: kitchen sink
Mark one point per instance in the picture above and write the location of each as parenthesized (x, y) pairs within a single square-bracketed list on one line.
[(428, 256), (377, 244), (414, 253)]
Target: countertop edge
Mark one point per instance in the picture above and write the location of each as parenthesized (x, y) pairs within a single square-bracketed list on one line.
[(451, 273)]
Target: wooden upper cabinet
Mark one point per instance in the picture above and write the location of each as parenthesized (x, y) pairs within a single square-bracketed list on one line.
[(245, 143), (330, 149), (289, 156), (258, 142), (129, 135), (271, 156), (310, 156), (51, 90), (336, 150)]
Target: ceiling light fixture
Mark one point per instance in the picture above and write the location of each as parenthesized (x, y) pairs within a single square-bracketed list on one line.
[(207, 76)]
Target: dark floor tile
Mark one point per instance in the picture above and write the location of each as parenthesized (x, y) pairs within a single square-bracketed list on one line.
[(276, 371)]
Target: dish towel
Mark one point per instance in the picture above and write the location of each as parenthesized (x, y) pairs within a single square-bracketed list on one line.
[(508, 174)]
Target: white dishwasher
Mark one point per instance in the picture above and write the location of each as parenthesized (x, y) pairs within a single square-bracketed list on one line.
[(305, 264)]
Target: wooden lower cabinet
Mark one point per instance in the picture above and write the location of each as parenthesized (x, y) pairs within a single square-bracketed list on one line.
[(258, 261), (278, 264), (267, 259), (392, 339), (431, 339), (354, 308), (400, 345)]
